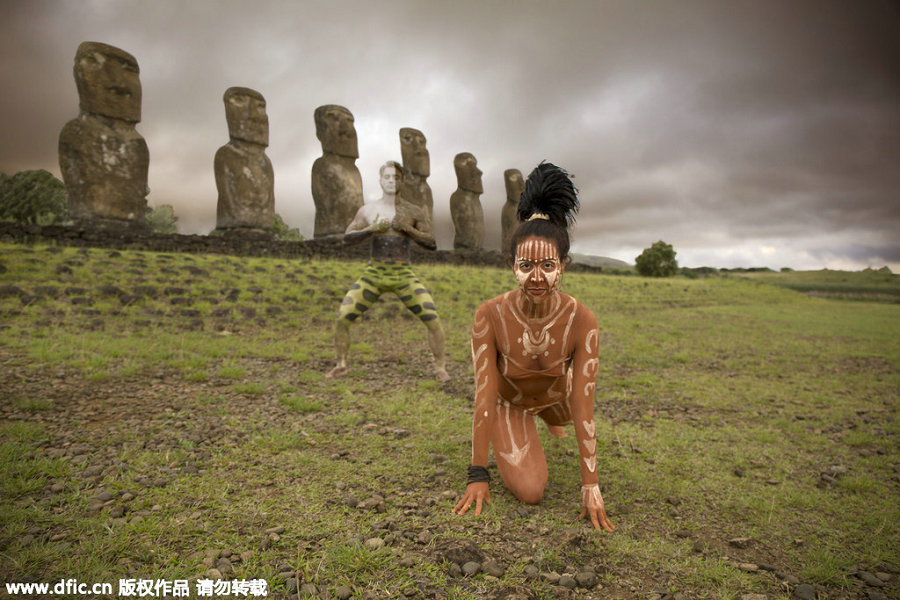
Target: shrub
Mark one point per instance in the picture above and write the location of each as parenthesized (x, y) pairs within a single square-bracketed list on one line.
[(657, 261)]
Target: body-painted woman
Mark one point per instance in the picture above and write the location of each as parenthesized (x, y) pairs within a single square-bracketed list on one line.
[(535, 353)]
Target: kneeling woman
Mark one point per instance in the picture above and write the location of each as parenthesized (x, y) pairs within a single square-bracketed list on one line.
[(535, 352)]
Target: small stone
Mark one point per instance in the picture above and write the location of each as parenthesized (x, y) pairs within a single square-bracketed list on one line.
[(57, 487), (308, 589), (117, 511), (343, 592), (883, 576), (568, 582), (753, 597), (873, 595), (279, 530), (213, 574), (375, 543), (739, 542), (531, 572), (493, 568), (748, 567), (552, 577), (290, 585), (586, 579), (804, 591), (787, 577), (224, 566), (471, 568), (870, 579), (104, 496), (424, 537)]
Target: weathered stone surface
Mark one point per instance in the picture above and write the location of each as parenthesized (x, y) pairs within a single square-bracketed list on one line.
[(336, 182), (416, 169), (515, 185), (465, 205), (244, 176), (104, 161)]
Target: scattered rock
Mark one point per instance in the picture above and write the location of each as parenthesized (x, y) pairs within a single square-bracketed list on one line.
[(568, 582), (458, 552), (375, 543), (586, 579), (471, 568), (870, 579), (754, 597), (804, 591), (493, 568), (739, 542), (343, 592)]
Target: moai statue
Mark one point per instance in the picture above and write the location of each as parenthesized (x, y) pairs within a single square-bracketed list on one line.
[(515, 185), (465, 207), (336, 182), (244, 176), (103, 159), (416, 169)]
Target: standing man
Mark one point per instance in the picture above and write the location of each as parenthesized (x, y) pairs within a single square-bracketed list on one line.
[(390, 223)]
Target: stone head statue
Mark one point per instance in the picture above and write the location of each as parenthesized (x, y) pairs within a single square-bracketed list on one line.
[(245, 112), (108, 82), (509, 220), (413, 151), (334, 128), (515, 185), (468, 175)]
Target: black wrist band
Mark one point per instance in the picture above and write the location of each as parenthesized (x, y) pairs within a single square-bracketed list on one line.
[(478, 474)]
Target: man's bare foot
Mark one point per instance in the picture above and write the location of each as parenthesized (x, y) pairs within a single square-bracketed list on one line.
[(557, 431), (441, 374), (336, 372)]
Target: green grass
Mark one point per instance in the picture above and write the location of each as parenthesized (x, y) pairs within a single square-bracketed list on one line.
[(720, 404)]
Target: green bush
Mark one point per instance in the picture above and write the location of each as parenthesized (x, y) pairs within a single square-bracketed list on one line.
[(34, 197), (657, 261)]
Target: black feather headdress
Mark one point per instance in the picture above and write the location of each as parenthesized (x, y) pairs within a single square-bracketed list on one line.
[(549, 193)]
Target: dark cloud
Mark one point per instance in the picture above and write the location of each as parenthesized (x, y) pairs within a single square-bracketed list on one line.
[(739, 131)]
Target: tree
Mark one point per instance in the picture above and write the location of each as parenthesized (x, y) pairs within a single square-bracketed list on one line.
[(34, 197), (162, 219), (657, 261), (283, 232)]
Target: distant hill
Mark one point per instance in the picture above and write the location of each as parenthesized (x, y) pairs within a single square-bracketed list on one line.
[(598, 261)]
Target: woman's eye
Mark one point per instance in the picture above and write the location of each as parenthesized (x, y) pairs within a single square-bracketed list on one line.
[(549, 266), (524, 266)]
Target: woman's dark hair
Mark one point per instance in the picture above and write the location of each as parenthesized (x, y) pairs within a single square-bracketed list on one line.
[(546, 209)]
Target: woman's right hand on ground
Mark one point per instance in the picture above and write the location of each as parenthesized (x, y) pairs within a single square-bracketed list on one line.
[(477, 492)]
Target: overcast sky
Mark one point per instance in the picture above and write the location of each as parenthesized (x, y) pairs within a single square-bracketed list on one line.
[(744, 133)]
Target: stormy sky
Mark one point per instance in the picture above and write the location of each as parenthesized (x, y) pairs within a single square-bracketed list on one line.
[(744, 133)]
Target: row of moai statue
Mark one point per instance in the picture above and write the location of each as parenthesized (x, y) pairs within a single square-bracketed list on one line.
[(104, 162)]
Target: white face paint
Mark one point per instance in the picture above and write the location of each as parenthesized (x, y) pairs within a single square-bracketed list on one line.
[(537, 268)]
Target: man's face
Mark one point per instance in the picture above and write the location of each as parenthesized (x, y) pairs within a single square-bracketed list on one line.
[(108, 82), (334, 127), (537, 268), (412, 149), (390, 180), (247, 119)]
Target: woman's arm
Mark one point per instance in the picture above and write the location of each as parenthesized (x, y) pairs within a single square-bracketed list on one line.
[(585, 364), (484, 361)]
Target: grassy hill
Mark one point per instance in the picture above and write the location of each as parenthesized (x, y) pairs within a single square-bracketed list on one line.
[(165, 416)]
